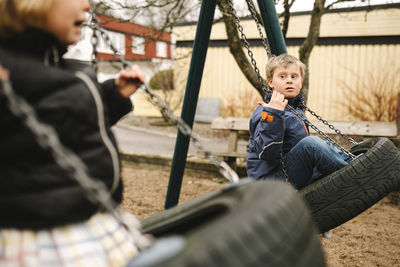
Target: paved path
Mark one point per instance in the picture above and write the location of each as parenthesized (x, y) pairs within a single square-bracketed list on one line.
[(137, 140)]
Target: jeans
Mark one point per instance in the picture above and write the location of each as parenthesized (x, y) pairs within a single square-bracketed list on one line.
[(310, 159)]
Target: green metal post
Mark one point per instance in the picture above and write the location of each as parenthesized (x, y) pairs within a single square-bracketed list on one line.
[(199, 53), (272, 27)]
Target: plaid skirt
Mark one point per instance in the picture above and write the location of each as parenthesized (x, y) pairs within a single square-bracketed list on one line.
[(99, 241)]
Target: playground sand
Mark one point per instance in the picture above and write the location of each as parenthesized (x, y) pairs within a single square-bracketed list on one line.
[(370, 239)]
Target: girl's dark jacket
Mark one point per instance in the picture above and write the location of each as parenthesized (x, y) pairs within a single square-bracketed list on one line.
[(35, 192), (273, 131)]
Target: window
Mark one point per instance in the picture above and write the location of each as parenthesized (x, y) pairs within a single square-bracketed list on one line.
[(117, 40), (161, 49), (138, 45)]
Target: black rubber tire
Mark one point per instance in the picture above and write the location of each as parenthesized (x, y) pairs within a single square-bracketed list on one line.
[(364, 146), (263, 223), (346, 193)]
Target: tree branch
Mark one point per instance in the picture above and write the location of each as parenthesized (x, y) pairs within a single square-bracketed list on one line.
[(236, 48), (311, 39), (286, 16)]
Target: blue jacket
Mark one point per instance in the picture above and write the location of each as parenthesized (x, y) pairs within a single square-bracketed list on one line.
[(273, 131)]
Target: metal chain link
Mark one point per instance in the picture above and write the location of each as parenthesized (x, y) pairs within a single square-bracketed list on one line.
[(255, 18), (324, 135), (222, 166), (48, 139), (95, 41), (348, 138), (284, 168), (246, 44), (227, 172)]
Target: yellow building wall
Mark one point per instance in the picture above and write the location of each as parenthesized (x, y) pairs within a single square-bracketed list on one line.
[(380, 22), (331, 66)]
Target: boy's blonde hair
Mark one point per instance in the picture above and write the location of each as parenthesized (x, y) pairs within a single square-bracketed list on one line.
[(283, 60), (16, 15)]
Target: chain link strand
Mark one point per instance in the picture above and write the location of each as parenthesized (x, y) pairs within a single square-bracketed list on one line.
[(48, 139), (227, 172), (246, 44), (348, 138), (264, 39)]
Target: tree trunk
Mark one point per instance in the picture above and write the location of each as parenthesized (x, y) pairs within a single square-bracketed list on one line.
[(311, 40), (398, 116), (236, 47)]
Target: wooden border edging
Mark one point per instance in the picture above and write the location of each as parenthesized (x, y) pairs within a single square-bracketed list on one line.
[(361, 128), (199, 165)]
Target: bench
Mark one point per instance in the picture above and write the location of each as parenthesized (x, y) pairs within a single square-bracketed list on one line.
[(359, 128)]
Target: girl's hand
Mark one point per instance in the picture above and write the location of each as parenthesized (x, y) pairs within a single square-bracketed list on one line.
[(277, 101), (129, 81), (4, 74)]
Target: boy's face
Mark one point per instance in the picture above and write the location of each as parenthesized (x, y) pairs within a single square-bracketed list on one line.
[(65, 19), (287, 81)]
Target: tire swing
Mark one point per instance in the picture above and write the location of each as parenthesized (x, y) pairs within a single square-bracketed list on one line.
[(344, 194)]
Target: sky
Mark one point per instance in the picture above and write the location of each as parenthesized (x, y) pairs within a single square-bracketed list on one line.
[(304, 5)]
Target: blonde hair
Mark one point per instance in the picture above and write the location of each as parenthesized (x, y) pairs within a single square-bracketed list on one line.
[(283, 60), (16, 15)]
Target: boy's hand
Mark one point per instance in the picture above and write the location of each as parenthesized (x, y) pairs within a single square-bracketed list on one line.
[(277, 101), (129, 81)]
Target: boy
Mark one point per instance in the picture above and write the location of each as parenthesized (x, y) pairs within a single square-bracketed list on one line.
[(276, 132)]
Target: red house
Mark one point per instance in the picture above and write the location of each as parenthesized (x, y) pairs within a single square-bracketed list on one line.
[(136, 42)]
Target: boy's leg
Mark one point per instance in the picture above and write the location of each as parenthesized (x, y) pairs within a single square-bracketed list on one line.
[(312, 157)]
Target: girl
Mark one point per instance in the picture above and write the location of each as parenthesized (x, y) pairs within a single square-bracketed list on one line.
[(47, 219)]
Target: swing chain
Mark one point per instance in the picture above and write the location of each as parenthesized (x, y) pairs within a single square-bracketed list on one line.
[(284, 168), (264, 87), (185, 129), (97, 30), (268, 91), (348, 138), (324, 135), (255, 18), (95, 41), (227, 172)]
